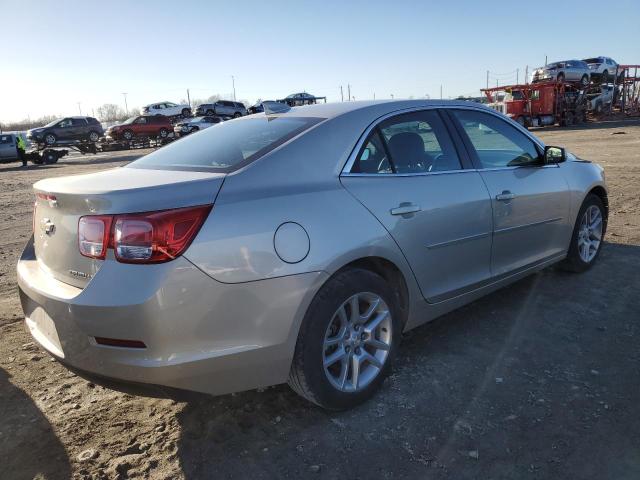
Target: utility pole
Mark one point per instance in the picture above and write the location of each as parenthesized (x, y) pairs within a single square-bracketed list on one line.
[(189, 98), (526, 75), (79, 109), (392, 96), (233, 83), (440, 91), (374, 95), (349, 92), (487, 78), (126, 108), (517, 76), (341, 94), (545, 60)]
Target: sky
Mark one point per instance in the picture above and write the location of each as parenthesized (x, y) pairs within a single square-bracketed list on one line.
[(65, 57)]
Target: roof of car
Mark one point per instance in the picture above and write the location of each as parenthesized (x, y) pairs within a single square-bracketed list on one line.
[(330, 110)]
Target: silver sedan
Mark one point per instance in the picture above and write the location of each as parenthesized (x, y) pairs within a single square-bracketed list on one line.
[(298, 247)]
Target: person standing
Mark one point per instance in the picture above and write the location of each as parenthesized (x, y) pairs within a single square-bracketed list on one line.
[(21, 147)]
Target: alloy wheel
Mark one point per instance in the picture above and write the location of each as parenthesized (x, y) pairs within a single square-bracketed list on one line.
[(357, 342), (590, 233)]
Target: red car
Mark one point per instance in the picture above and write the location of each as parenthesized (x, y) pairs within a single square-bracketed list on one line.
[(142, 126)]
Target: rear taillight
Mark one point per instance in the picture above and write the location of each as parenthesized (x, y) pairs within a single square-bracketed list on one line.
[(151, 237), (93, 235)]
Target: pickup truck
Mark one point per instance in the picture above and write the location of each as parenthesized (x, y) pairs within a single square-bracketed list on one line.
[(8, 149)]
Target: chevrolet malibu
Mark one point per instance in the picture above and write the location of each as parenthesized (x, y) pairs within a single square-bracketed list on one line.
[(298, 246)]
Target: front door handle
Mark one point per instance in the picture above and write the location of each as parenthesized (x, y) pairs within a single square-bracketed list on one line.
[(505, 196), (405, 208)]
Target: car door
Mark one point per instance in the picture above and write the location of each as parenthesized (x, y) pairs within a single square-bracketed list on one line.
[(531, 200), (78, 128), (64, 129), (7, 147), (409, 174), (141, 126)]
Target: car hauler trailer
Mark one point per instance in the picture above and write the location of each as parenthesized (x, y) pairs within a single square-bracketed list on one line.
[(543, 103)]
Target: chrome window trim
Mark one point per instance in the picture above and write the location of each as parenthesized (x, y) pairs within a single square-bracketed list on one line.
[(416, 174), (346, 170)]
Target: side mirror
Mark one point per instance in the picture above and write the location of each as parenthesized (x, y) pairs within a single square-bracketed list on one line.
[(554, 154)]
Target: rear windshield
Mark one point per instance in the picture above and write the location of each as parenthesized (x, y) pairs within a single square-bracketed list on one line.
[(226, 146), (594, 60)]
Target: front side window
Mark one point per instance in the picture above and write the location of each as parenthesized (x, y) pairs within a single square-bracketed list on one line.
[(141, 121), (496, 143), (416, 142), (6, 139), (65, 123), (227, 147)]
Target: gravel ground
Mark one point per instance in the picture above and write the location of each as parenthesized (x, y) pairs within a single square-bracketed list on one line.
[(538, 380)]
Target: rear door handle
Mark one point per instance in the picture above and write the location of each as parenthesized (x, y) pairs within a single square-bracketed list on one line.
[(505, 196), (405, 208)]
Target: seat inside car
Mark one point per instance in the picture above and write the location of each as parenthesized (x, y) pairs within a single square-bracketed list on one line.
[(407, 152)]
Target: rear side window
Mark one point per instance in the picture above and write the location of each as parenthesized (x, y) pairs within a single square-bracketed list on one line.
[(496, 143), (229, 146), (6, 139), (416, 142), (79, 122)]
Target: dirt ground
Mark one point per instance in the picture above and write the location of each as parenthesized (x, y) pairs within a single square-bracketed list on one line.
[(538, 380)]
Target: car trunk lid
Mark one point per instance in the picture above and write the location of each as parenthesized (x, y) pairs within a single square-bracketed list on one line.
[(60, 203)]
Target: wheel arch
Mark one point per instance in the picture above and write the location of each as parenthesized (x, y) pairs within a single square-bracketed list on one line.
[(601, 193), (391, 274)]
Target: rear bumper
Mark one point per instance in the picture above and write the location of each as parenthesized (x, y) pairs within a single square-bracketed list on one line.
[(200, 334)]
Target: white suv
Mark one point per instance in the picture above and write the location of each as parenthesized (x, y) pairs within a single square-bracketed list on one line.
[(602, 68), (167, 109)]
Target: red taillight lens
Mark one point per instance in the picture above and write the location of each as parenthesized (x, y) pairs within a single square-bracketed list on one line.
[(93, 235), (151, 237)]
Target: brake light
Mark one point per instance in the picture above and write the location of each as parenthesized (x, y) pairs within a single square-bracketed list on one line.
[(93, 235), (151, 237)]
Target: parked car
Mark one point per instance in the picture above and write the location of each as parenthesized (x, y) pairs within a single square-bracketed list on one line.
[(256, 108), (167, 109), (68, 129), (600, 102), (191, 125), (298, 247), (223, 108), (564, 71), (602, 68), (141, 126), (298, 99), (8, 148)]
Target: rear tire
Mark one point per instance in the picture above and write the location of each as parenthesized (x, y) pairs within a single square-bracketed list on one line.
[(209, 113), (580, 258), (605, 76), (561, 77), (94, 137), (163, 133), (342, 355), (237, 115), (186, 112), (584, 81)]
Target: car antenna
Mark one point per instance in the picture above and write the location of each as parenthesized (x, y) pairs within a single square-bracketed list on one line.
[(271, 107)]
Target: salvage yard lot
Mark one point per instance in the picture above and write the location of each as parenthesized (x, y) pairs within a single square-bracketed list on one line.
[(538, 380)]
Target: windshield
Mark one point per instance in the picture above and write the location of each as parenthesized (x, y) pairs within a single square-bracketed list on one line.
[(51, 124), (227, 147)]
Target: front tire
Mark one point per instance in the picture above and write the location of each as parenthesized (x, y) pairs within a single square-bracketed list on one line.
[(127, 135), (186, 112), (163, 133), (588, 235), (94, 137), (50, 139), (347, 341), (584, 80)]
